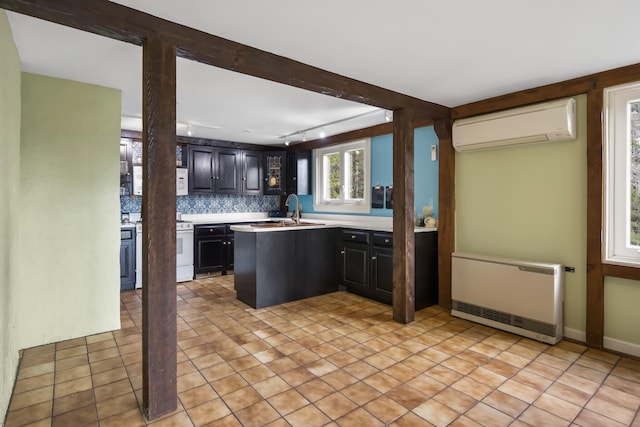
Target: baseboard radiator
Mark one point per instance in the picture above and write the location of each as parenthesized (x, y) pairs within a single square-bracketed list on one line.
[(524, 298)]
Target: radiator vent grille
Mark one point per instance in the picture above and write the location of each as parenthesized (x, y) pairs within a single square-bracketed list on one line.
[(505, 318)]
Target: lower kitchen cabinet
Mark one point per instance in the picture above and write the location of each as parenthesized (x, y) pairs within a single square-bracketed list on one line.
[(213, 249), (127, 259), (354, 264), (366, 265)]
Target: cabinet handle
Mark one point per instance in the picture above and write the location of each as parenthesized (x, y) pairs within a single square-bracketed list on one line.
[(342, 252), (386, 240), (224, 243), (373, 258), (353, 236)]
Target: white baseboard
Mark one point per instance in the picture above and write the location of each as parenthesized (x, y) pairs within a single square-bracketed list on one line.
[(575, 334), (624, 347), (613, 344)]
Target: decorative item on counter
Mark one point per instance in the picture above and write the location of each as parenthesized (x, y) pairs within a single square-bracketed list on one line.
[(429, 220)]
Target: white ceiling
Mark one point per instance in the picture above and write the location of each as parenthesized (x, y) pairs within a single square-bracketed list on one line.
[(448, 52)]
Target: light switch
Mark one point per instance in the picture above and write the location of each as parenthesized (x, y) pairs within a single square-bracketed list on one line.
[(434, 152)]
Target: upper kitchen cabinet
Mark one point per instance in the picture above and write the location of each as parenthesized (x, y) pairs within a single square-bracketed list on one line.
[(275, 172), (252, 172), (299, 172), (224, 171), (126, 180)]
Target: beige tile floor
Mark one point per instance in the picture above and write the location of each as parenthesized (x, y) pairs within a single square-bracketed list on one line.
[(337, 359)]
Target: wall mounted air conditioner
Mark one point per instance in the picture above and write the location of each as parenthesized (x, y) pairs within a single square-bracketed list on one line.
[(548, 121)]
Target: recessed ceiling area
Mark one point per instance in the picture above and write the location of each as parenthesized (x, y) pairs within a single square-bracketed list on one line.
[(450, 53)]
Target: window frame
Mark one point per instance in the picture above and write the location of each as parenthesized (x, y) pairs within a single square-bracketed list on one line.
[(617, 188), (342, 205)]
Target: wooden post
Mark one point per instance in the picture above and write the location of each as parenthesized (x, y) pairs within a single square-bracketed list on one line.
[(159, 330), (403, 218), (446, 210), (595, 276)]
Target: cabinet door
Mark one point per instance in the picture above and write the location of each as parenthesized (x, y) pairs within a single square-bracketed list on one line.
[(229, 167), (127, 264), (252, 172), (201, 170), (274, 170), (126, 181), (355, 267), (299, 172), (382, 273)]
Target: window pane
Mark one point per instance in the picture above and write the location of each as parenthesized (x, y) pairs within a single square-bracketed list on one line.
[(332, 176), (634, 174), (355, 174)]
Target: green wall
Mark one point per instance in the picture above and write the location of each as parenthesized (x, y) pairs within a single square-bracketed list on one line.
[(529, 202), (69, 221), (9, 186)]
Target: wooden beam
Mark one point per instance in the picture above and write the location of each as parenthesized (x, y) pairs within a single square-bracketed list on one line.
[(446, 210), (595, 277), (403, 218), (562, 89), (159, 330), (122, 23)]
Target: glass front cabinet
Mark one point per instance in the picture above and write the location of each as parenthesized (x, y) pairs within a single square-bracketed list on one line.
[(275, 176)]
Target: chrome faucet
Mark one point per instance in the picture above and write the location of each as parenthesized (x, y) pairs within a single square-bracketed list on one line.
[(296, 215)]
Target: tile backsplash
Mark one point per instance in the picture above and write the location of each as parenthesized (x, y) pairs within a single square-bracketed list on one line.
[(210, 203)]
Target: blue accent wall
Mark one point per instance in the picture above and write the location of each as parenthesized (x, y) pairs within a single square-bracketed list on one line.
[(425, 170)]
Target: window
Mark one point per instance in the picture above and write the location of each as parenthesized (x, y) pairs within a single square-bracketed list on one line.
[(622, 124), (342, 178)]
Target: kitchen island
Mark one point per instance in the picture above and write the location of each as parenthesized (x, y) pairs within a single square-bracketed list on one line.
[(277, 263)]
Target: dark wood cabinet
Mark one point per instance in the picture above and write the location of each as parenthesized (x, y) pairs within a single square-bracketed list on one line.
[(213, 249), (354, 262), (366, 265), (252, 172), (275, 172), (127, 259), (201, 170), (382, 266), (224, 171), (298, 171), (228, 167)]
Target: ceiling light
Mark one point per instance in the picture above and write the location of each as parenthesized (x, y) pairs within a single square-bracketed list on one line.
[(189, 132), (304, 137), (287, 142), (322, 134)]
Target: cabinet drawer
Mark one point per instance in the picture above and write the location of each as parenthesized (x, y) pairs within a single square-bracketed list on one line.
[(355, 236), (383, 239), (126, 234), (212, 230)]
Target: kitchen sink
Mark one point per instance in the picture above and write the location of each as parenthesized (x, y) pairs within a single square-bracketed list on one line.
[(280, 224)]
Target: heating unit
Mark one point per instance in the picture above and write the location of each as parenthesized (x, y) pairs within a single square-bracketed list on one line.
[(525, 298)]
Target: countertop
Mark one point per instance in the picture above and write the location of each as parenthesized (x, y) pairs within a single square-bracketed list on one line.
[(243, 222)]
